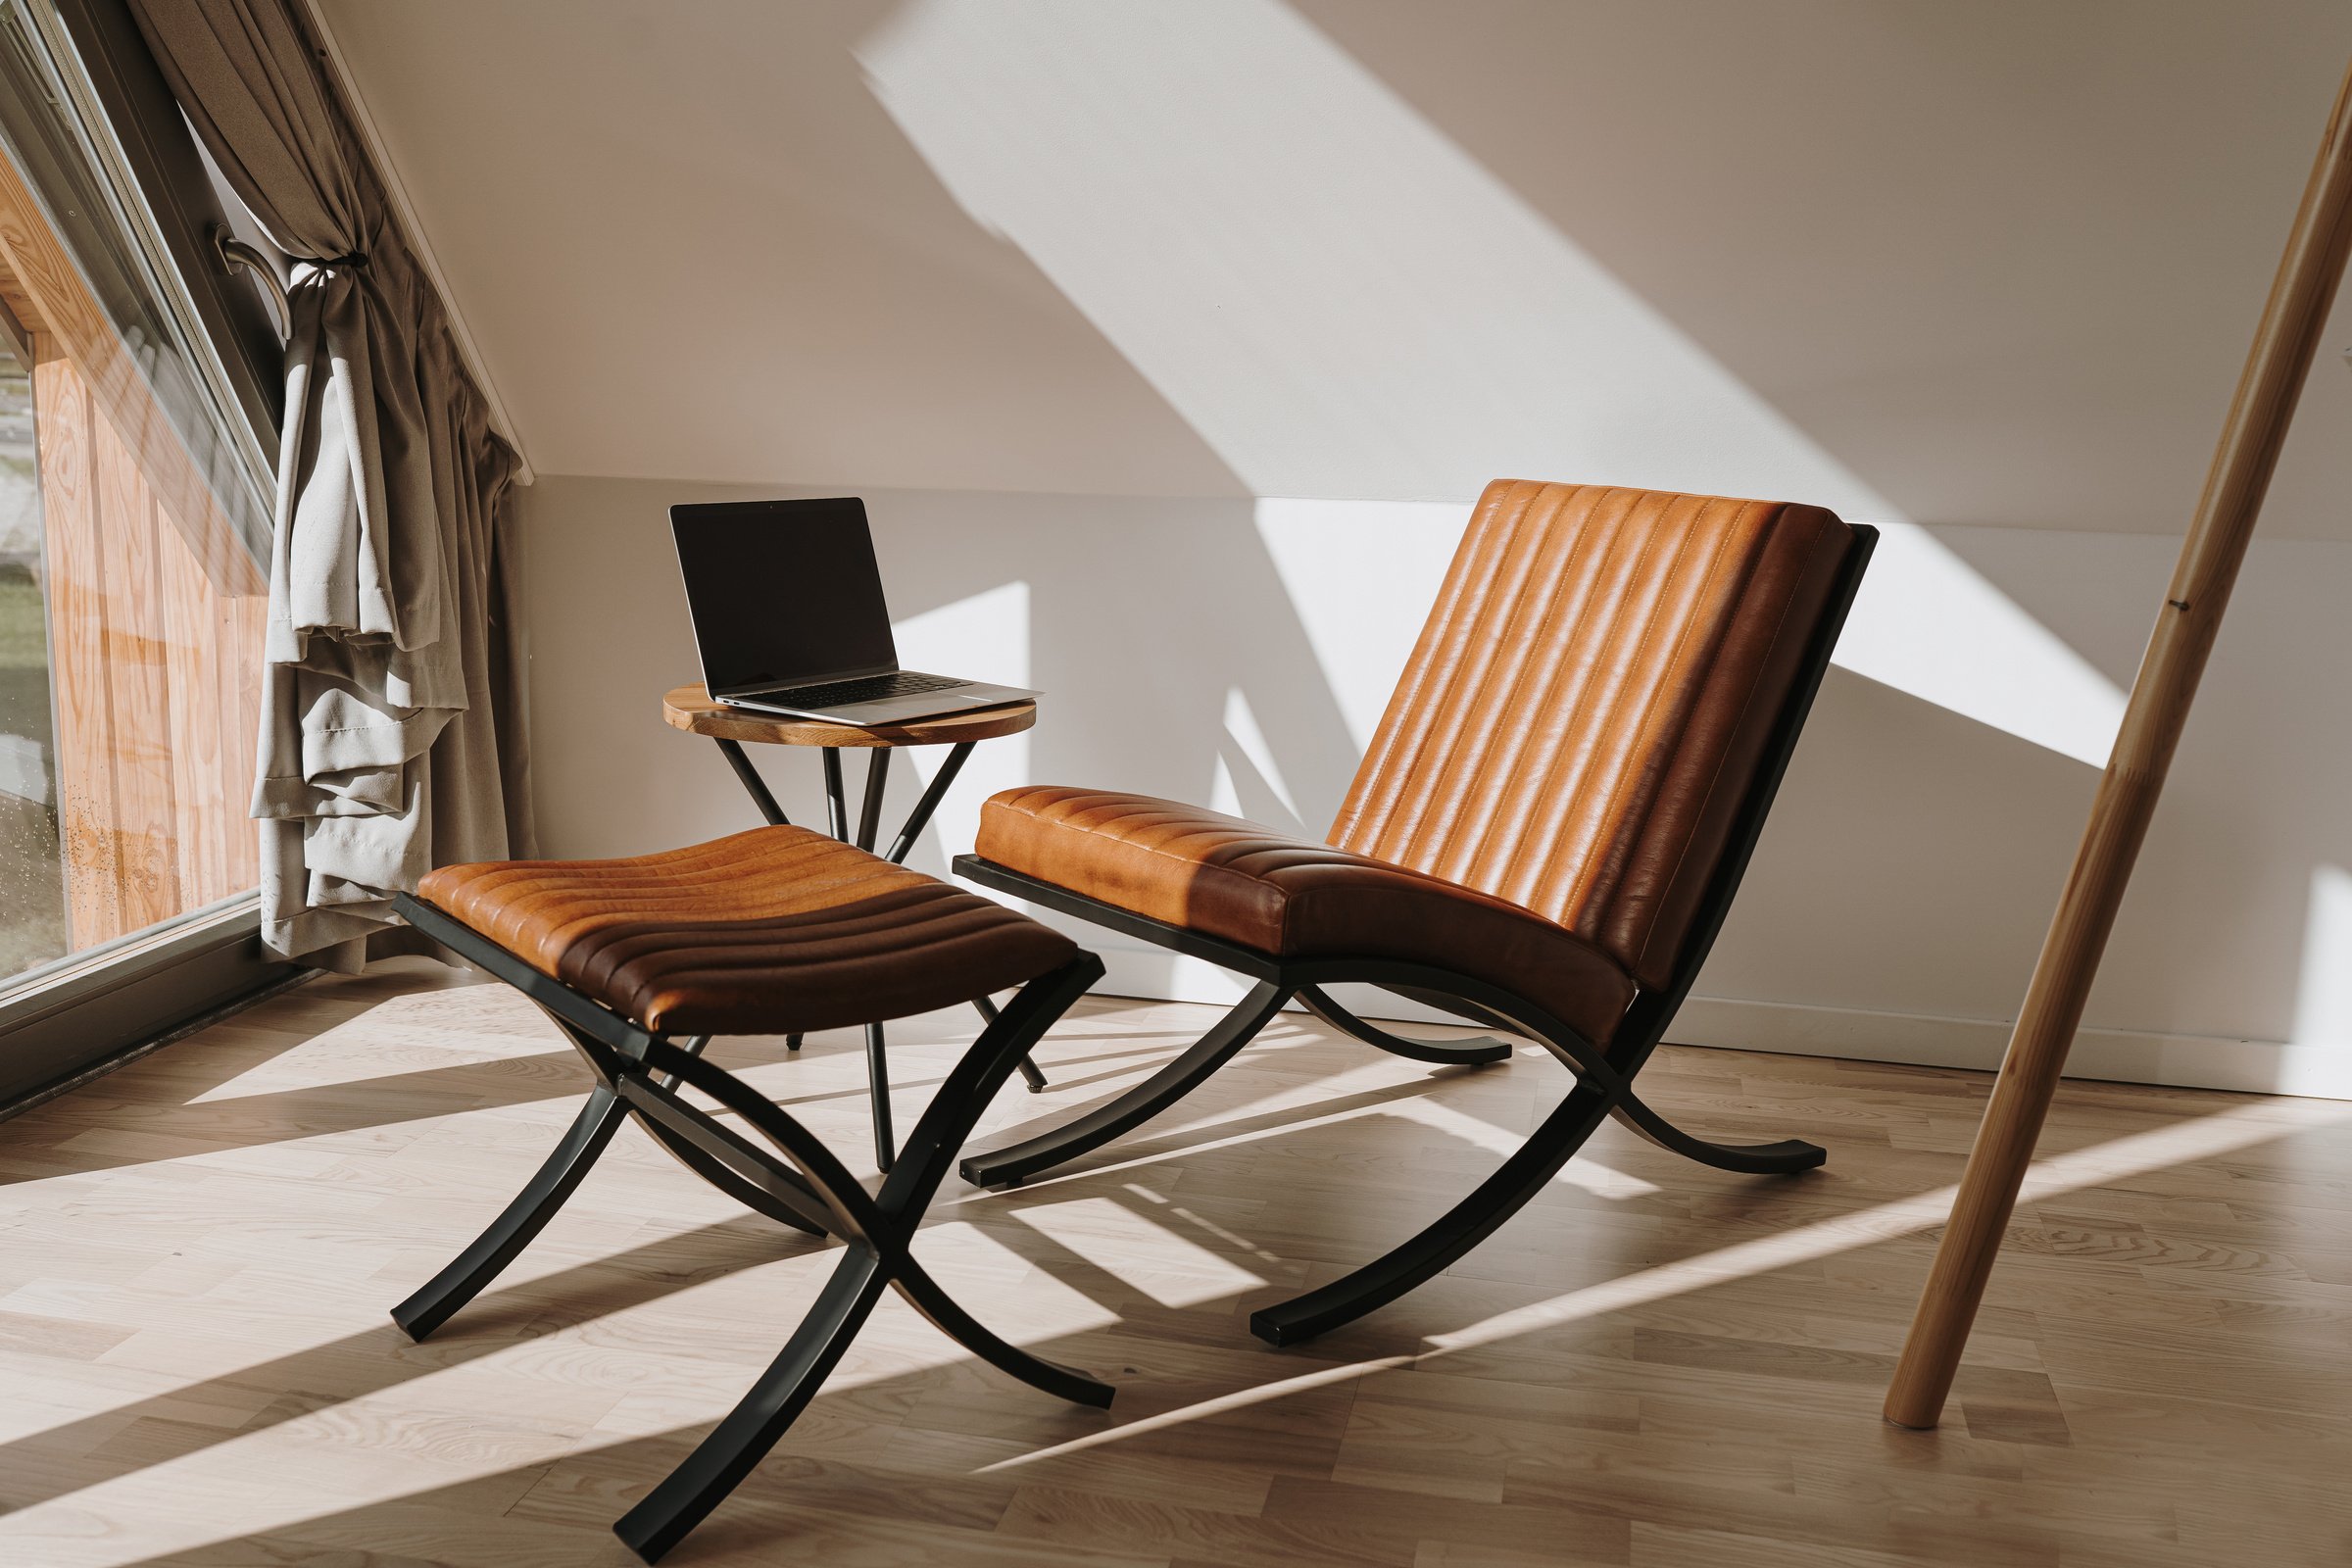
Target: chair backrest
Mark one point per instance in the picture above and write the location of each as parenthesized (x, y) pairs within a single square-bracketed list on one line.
[(1585, 715)]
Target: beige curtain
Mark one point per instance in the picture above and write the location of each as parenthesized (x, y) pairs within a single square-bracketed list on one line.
[(392, 736)]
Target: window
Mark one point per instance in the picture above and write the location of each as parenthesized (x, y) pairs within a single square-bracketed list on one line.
[(133, 523), (32, 911)]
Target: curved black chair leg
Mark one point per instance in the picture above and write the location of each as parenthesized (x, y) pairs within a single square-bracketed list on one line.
[(739, 1441), (923, 1294), (1553, 1144), (1440, 1053), (1468, 1012), (1016, 1162), (800, 1213), (1785, 1158), (520, 1221), (548, 1190)]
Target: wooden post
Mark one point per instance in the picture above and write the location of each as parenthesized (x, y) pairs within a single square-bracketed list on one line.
[(2167, 684)]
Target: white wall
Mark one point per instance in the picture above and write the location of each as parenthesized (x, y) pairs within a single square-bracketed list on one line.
[(1070, 288), (1237, 654)]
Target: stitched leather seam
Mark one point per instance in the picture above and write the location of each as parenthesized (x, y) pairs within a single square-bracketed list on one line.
[(1568, 718), (1456, 702), (1569, 910), (1590, 878)]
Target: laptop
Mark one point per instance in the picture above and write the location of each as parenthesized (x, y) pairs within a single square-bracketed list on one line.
[(789, 615)]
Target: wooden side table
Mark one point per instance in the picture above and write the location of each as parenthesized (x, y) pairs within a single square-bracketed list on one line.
[(691, 708)]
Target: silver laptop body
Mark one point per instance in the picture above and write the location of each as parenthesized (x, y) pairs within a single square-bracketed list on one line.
[(789, 616)]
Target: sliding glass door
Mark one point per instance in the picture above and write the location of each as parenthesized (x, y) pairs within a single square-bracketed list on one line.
[(132, 550)]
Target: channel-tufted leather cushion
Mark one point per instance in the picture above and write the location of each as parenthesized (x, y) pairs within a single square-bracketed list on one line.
[(775, 931), (1571, 740), (1585, 713), (1293, 898)]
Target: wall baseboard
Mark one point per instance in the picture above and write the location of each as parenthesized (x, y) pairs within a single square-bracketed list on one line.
[(2320, 1071)]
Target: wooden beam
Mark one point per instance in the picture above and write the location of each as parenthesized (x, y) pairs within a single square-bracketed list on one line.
[(19, 335), (23, 316), (2167, 684), (50, 286)]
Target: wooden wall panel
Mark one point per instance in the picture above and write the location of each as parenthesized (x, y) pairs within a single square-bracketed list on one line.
[(138, 686), (201, 813), (158, 680), (75, 575), (244, 622)]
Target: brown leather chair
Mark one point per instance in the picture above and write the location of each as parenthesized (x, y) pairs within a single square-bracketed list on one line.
[(1545, 834), (641, 961)]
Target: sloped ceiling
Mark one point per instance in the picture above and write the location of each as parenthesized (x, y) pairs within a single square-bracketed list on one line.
[(1985, 264)]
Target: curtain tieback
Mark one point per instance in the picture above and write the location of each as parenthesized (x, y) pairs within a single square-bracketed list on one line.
[(310, 266)]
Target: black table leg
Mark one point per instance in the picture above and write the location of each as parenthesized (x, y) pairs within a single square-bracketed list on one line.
[(870, 821), (920, 818), (1029, 1074), (762, 796), (869, 810), (877, 1089), (877, 1063), (837, 810)]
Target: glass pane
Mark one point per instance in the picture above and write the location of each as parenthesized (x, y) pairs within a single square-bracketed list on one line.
[(131, 596), (32, 888)]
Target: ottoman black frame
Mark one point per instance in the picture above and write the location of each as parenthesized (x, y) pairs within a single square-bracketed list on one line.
[(795, 1181)]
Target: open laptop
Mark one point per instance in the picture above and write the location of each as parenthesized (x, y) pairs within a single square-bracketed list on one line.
[(789, 615)]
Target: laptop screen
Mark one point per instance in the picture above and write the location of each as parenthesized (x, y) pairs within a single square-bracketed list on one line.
[(783, 592)]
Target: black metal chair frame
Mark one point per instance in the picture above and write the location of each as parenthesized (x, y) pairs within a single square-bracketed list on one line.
[(1603, 1073), (870, 820), (793, 1180)]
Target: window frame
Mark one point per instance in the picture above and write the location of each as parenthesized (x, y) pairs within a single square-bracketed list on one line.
[(63, 1023), (161, 156)]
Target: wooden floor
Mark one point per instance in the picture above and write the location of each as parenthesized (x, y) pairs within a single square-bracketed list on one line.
[(1656, 1364)]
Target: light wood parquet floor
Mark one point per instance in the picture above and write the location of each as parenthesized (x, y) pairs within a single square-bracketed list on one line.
[(1656, 1365)]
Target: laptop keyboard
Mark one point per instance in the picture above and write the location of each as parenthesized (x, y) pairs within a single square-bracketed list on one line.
[(864, 689)]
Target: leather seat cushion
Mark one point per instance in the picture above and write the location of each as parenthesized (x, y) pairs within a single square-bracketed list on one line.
[(1293, 898), (775, 931)]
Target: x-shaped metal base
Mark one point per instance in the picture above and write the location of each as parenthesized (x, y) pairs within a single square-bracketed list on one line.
[(1602, 1088), (786, 1173)]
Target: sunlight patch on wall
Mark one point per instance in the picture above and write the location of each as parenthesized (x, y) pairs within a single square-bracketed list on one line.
[(1343, 303), (2318, 1061), (1361, 577), (1249, 782), (984, 636), (1362, 574), (1335, 296), (1927, 624)]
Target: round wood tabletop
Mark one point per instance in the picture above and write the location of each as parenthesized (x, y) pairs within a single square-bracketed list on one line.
[(690, 707)]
